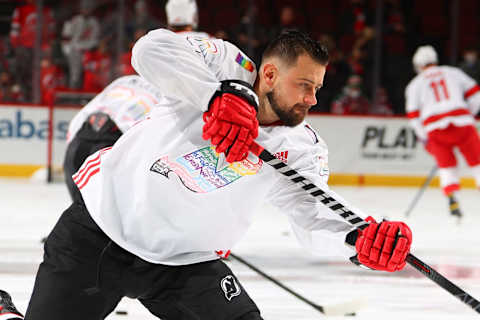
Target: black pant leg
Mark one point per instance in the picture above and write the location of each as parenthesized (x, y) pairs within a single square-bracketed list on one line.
[(201, 291), (69, 268)]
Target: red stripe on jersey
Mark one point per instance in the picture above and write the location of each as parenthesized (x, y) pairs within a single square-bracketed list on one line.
[(453, 113), (94, 172), (92, 166), (78, 177), (85, 166), (413, 114), (470, 92)]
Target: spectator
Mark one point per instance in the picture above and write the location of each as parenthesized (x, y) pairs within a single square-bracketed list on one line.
[(51, 78), (470, 64), (351, 100), (22, 36), (381, 103), (10, 91), (79, 35), (96, 64)]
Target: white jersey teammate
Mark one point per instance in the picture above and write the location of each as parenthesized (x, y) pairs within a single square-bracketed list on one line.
[(441, 102), (102, 121)]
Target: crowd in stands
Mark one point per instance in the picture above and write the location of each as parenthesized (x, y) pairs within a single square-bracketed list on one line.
[(79, 50)]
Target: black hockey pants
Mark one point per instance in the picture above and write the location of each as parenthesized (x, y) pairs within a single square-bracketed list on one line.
[(84, 275)]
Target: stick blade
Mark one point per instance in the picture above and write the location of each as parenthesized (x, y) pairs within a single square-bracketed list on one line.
[(348, 308)]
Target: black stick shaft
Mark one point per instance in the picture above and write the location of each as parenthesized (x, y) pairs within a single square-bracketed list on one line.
[(426, 183), (338, 208), (443, 282), (278, 283)]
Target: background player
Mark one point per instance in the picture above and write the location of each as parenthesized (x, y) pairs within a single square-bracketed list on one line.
[(441, 102), (103, 120), (182, 17)]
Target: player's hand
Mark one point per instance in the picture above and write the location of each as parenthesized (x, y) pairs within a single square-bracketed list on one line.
[(384, 246), (231, 120)]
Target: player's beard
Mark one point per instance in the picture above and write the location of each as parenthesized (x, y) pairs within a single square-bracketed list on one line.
[(290, 116)]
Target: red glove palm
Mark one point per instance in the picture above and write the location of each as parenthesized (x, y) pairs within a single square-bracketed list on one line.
[(231, 121), (384, 246)]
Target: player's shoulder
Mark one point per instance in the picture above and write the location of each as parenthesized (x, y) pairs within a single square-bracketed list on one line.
[(449, 68), (454, 71), (234, 63)]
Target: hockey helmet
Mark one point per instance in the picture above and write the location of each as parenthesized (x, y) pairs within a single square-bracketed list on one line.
[(182, 13), (423, 56)]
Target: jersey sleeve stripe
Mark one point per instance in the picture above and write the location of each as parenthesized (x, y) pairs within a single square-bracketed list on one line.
[(85, 166), (88, 178), (93, 165), (413, 114), (453, 113), (470, 92)]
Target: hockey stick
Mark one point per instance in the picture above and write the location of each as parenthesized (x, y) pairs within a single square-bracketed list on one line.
[(429, 179), (344, 309), (337, 207)]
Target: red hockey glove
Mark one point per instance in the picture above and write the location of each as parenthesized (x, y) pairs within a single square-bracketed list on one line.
[(384, 246), (231, 120)]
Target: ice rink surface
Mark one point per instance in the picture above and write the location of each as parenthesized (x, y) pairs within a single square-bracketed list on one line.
[(28, 210)]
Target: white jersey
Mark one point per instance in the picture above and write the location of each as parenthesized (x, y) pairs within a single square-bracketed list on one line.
[(126, 100), (440, 96), (164, 194)]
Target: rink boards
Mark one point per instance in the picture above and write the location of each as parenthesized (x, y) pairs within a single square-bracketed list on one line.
[(362, 149)]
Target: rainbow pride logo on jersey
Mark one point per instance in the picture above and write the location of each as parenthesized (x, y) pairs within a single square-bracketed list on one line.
[(200, 172), (244, 62)]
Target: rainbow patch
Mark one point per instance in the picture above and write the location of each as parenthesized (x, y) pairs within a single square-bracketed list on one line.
[(244, 62)]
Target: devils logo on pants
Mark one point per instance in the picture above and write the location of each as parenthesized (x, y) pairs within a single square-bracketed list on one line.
[(230, 287)]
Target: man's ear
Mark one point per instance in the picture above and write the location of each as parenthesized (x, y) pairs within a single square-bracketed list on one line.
[(270, 74)]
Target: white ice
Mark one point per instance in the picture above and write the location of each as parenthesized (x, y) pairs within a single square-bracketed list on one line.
[(28, 211)]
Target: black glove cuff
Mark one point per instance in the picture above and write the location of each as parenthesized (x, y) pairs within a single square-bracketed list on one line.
[(239, 88)]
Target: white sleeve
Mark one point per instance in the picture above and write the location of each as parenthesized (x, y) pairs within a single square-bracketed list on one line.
[(172, 64), (471, 90), (412, 108), (317, 227)]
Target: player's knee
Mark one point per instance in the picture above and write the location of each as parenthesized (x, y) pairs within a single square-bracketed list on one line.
[(254, 315)]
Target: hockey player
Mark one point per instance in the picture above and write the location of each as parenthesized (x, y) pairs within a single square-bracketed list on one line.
[(441, 102), (103, 120), (181, 186), (182, 17)]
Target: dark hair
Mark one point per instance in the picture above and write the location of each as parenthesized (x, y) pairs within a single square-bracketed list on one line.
[(290, 44)]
